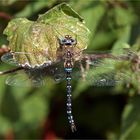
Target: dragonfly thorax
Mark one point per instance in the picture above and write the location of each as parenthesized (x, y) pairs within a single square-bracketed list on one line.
[(68, 64), (67, 48)]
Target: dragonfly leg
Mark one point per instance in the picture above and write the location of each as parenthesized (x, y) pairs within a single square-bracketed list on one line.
[(87, 64), (82, 72), (10, 71)]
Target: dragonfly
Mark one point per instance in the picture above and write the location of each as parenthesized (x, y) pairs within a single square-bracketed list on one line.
[(53, 48), (62, 69)]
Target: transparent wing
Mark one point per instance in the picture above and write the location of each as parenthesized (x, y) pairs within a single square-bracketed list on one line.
[(24, 79), (9, 59), (103, 69), (56, 71), (100, 69), (36, 77), (111, 78), (25, 58), (15, 58), (119, 55)]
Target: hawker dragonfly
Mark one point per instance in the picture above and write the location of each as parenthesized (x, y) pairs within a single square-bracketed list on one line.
[(54, 46), (69, 61)]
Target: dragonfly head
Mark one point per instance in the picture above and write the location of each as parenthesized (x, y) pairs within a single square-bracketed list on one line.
[(67, 41), (67, 46)]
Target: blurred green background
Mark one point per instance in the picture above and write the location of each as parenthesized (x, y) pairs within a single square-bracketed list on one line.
[(99, 112)]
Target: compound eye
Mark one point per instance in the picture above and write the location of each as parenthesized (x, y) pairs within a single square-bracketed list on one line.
[(64, 40), (73, 41)]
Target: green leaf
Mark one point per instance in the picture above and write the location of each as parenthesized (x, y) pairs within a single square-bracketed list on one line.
[(65, 21), (5, 126), (35, 38), (93, 15), (59, 12), (124, 17), (34, 109), (131, 117), (34, 7), (7, 2), (9, 106)]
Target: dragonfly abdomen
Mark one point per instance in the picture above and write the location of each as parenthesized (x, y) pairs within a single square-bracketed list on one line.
[(69, 102)]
